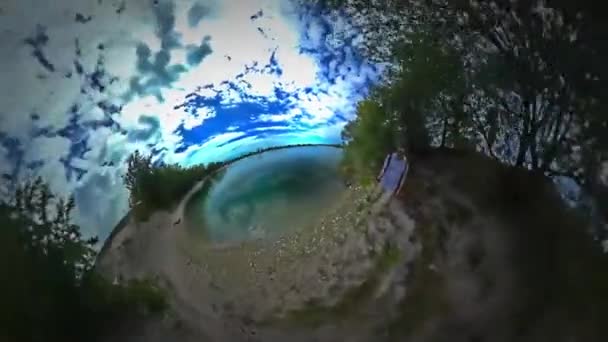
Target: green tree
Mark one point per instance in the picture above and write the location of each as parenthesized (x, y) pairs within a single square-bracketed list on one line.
[(159, 186), (427, 91), (545, 83), (50, 291), (421, 107), (540, 94), (139, 167), (532, 93), (368, 139)]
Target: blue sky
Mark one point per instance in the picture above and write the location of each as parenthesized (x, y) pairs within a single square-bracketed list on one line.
[(88, 82)]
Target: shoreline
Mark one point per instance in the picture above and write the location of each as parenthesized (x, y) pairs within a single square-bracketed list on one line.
[(126, 219)]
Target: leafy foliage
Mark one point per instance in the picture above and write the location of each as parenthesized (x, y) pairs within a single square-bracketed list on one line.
[(530, 93), (50, 291), (417, 109), (520, 81), (369, 137), (153, 187)]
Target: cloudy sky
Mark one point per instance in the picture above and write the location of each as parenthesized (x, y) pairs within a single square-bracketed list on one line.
[(86, 82)]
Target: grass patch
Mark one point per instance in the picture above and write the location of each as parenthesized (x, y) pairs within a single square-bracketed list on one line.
[(426, 295), (315, 314), (139, 297)]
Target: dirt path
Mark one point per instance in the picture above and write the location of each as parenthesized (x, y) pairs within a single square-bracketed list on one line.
[(441, 263), (259, 286)]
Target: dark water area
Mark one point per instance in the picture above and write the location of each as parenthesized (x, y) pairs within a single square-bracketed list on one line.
[(267, 194)]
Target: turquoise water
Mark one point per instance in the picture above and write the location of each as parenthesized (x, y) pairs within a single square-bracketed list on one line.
[(267, 194)]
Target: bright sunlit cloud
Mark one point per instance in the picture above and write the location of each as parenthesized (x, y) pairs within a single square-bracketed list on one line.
[(187, 81)]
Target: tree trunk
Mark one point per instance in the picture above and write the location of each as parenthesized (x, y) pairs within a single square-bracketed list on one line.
[(552, 148), (521, 153), (534, 147), (526, 135), (534, 155), (445, 130), (524, 144)]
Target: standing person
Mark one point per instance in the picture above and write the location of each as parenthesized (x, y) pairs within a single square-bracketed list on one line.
[(392, 176)]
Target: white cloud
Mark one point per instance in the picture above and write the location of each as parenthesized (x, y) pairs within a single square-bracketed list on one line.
[(44, 148), (278, 117), (210, 150), (236, 42), (98, 144), (51, 97), (50, 151)]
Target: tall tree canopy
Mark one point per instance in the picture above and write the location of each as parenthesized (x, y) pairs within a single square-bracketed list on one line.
[(49, 289), (520, 81)]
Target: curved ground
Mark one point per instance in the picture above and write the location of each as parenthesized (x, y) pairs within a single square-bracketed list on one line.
[(269, 288), (441, 263)]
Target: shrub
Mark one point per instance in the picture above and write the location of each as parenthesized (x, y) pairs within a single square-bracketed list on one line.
[(50, 290), (160, 186)]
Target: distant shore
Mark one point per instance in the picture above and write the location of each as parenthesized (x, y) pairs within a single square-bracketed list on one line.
[(125, 220), (273, 148)]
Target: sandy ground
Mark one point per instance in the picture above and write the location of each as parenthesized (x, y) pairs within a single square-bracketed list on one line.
[(324, 283), (459, 275), (244, 292)]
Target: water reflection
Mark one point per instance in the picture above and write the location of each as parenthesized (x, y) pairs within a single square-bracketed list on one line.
[(267, 194)]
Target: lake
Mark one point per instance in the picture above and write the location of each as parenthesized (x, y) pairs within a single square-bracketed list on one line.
[(267, 194)]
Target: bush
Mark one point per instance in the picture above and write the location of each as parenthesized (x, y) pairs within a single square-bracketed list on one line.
[(50, 290), (369, 138), (159, 187)]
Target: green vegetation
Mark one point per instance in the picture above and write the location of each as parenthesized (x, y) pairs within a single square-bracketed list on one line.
[(159, 186), (50, 291), (369, 138), (352, 300), (432, 79), (522, 83), (505, 97)]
